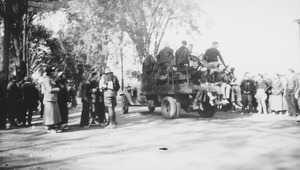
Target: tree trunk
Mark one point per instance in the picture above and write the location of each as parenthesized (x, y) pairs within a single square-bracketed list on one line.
[(5, 65)]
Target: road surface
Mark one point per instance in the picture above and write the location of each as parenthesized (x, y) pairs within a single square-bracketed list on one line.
[(146, 140)]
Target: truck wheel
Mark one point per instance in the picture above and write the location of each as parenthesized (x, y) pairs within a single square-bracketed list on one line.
[(168, 108), (151, 109), (151, 105), (208, 110), (178, 109), (124, 104)]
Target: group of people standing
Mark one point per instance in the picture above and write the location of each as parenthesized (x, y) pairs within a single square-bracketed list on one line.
[(98, 96), (56, 96), (267, 94)]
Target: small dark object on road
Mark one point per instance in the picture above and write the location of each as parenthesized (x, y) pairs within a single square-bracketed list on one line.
[(163, 148)]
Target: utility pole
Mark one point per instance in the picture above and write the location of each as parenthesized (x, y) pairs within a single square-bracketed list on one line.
[(122, 63)]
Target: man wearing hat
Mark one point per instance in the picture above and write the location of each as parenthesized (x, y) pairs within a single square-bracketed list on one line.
[(110, 87)]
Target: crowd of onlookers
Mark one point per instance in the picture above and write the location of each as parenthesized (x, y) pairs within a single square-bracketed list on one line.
[(53, 96), (26, 96)]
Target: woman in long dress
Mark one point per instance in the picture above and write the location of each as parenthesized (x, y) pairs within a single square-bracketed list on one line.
[(276, 98), (52, 116)]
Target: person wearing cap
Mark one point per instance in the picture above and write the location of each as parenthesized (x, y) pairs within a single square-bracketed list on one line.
[(85, 94), (212, 56), (291, 89), (29, 98), (52, 118), (182, 55), (110, 87), (62, 98)]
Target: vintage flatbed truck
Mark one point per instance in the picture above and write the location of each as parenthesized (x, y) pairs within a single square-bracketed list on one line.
[(173, 91)]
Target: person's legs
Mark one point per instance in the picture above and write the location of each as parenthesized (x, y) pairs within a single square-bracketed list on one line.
[(30, 111), (110, 103), (263, 102), (250, 100), (84, 121), (258, 99), (42, 106), (238, 93), (244, 102)]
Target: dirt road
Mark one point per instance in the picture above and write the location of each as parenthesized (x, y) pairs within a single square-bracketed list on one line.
[(148, 141)]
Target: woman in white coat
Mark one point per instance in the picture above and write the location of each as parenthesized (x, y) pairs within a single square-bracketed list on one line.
[(52, 116)]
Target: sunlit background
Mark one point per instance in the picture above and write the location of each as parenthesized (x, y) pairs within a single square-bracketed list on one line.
[(259, 36)]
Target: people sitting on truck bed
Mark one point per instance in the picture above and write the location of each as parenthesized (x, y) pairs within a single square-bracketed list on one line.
[(205, 85), (165, 59), (149, 65), (236, 95), (201, 86), (195, 72), (223, 80), (182, 55)]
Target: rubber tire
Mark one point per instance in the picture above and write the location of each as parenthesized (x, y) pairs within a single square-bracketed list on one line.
[(178, 109), (151, 108), (209, 110), (169, 107), (124, 104)]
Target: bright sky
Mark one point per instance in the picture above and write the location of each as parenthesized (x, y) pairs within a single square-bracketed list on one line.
[(259, 36)]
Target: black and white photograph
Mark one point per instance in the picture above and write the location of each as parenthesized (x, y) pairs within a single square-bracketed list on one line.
[(150, 84)]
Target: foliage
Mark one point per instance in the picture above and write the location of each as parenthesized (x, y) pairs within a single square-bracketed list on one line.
[(146, 21)]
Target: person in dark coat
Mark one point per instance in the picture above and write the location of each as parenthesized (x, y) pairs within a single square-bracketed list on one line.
[(29, 99), (149, 65), (165, 58), (94, 82), (85, 95), (62, 98), (110, 86), (248, 89), (212, 56), (13, 100), (182, 55)]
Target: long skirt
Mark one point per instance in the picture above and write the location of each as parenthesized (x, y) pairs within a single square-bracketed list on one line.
[(51, 113), (276, 102)]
